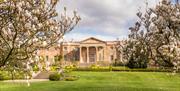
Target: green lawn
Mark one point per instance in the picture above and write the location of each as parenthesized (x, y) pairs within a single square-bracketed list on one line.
[(104, 81)]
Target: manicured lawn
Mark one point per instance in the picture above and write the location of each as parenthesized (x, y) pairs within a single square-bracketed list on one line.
[(104, 81)]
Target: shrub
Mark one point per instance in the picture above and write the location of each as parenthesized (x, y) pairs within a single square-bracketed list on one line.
[(74, 66), (1, 77), (71, 78), (54, 68), (54, 77), (69, 68), (93, 66), (110, 68), (140, 62), (20, 75), (36, 68), (118, 63)]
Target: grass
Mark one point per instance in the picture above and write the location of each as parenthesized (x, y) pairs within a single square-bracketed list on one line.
[(105, 81)]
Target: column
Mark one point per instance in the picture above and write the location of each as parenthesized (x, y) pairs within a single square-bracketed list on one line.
[(87, 54), (80, 56), (121, 56), (97, 57), (103, 54)]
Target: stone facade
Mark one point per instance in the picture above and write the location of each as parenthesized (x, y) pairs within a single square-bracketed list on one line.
[(88, 51)]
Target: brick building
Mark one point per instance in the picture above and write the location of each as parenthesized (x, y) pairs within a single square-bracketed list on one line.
[(88, 51)]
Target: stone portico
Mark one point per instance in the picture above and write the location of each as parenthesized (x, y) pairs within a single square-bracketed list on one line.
[(91, 50)]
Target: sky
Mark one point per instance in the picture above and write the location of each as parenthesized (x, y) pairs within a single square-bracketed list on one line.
[(104, 19)]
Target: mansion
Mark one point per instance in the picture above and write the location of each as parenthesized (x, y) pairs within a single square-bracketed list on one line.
[(88, 51)]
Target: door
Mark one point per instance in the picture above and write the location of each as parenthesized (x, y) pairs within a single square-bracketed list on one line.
[(92, 54)]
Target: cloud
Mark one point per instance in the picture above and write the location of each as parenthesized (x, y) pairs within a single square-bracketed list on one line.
[(106, 17)]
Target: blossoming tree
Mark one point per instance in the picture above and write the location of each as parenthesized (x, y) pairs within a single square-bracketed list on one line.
[(156, 36), (26, 25)]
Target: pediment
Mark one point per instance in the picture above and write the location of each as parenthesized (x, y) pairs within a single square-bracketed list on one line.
[(92, 41)]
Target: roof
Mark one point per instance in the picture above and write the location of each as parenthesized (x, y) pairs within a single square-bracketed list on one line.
[(86, 41), (92, 38)]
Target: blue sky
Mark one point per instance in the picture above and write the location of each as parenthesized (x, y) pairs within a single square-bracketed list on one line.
[(103, 19)]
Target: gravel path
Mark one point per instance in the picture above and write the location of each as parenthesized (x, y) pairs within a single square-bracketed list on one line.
[(31, 80)]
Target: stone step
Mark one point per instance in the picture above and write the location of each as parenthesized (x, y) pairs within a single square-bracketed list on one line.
[(43, 75)]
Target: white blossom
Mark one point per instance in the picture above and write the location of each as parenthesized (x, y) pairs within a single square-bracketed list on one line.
[(27, 13), (28, 25), (40, 25)]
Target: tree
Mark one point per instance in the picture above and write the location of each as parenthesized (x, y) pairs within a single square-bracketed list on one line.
[(136, 49), (156, 36), (29, 25), (120, 60)]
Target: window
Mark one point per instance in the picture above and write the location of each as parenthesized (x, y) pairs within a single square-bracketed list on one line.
[(76, 54), (112, 48), (57, 58), (65, 48), (47, 49), (65, 57), (76, 49), (112, 57), (47, 58), (56, 48)]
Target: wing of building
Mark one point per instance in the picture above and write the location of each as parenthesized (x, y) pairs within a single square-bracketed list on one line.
[(88, 51)]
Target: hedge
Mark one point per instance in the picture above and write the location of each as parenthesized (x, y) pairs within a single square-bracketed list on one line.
[(5, 75), (106, 69), (1, 77)]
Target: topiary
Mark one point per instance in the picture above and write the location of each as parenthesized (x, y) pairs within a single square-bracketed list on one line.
[(54, 77)]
